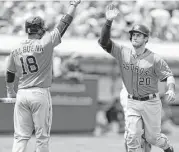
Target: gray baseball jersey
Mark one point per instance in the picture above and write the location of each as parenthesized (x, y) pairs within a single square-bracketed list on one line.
[(140, 74), (32, 60)]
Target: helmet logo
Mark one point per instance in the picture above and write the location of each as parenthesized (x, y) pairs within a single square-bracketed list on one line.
[(137, 27)]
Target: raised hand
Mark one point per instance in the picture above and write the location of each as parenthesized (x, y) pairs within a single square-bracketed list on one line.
[(75, 2), (111, 12)]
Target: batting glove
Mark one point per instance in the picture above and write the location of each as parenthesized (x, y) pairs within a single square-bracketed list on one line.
[(111, 12), (75, 2), (170, 96)]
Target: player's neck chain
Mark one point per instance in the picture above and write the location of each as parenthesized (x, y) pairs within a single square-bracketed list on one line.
[(137, 55)]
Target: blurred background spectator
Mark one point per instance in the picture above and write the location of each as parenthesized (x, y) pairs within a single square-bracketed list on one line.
[(162, 17), (115, 113)]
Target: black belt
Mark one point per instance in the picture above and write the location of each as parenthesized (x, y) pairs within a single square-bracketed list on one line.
[(142, 98)]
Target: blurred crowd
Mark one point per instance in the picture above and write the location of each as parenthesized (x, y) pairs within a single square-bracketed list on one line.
[(162, 17)]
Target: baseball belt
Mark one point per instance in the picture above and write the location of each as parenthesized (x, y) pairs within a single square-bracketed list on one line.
[(149, 97)]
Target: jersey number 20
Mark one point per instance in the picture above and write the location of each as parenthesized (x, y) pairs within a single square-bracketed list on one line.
[(31, 64), (144, 81)]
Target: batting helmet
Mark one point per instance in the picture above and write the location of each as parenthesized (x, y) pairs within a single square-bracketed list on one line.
[(141, 29), (34, 24)]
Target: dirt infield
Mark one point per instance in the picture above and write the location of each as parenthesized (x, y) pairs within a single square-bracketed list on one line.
[(110, 142)]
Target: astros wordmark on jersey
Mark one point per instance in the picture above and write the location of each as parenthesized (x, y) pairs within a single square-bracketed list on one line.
[(140, 74)]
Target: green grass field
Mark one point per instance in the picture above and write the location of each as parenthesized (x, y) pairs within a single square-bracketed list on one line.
[(110, 142)]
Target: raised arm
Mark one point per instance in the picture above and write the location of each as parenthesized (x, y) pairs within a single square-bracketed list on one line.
[(105, 41), (68, 17)]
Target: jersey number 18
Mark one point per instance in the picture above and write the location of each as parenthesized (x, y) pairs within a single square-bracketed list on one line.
[(31, 64)]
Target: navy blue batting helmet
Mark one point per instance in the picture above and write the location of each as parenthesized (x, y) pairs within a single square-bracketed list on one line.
[(33, 24), (141, 29)]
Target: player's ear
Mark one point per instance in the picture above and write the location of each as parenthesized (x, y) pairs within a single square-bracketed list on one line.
[(146, 39)]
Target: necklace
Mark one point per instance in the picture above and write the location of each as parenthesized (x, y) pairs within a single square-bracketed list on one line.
[(141, 53)]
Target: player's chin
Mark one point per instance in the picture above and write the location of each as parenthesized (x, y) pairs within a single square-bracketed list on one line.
[(136, 45)]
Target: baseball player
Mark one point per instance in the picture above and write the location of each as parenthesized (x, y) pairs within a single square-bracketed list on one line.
[(31, 62), (141, 69)]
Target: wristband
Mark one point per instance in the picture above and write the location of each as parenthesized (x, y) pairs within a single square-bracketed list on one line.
[(67, 19), (171, 87), (108, 22)]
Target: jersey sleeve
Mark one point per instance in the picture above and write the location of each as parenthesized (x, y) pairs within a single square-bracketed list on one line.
[(116, 50), (11, 64), (56, 37), (162, 69)]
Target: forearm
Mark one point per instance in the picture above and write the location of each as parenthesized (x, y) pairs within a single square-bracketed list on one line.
[(10, 87), (104, 40), (64, 23), (66, 20), (171, 83)]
